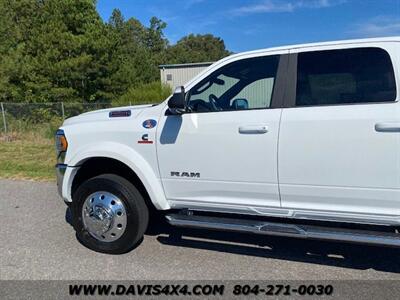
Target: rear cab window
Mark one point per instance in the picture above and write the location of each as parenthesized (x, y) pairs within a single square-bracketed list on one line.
[(345, 76)]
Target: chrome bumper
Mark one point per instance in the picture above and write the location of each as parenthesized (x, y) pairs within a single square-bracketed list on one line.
[(60, 171)]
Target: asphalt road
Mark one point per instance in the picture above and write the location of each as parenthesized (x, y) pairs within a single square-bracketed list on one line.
[(38, 243)]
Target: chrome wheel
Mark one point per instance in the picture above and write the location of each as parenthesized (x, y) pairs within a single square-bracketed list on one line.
[(104, 216)]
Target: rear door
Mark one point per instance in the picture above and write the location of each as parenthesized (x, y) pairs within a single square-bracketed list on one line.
[(339, 144)]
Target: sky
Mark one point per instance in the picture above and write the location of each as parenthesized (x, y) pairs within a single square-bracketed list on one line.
[(256, 24)]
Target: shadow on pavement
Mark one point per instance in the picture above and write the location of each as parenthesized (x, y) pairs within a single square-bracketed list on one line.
[(345, 255), (68, 216)]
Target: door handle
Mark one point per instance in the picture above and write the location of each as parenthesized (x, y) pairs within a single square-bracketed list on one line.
[(387, 127), (253, 129)]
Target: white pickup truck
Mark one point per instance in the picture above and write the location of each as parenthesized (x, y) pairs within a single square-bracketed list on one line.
[(299, 141)]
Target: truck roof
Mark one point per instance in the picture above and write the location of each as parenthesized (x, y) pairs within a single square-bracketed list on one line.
[(291, 47), (329, 43)]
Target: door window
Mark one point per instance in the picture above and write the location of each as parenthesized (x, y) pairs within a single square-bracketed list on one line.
[(360, 75), (241, 85)]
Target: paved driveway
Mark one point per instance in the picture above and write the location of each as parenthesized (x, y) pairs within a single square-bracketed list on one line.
[(38, 243)]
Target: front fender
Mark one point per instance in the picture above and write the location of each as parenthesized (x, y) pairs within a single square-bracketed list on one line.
[(124, 154)]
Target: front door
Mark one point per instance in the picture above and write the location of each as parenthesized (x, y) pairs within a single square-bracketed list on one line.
[(223, 152)]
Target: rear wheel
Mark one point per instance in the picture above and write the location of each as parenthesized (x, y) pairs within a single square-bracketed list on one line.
[(110, 214)]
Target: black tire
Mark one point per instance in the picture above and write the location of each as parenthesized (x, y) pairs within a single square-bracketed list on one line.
[(136, 211)]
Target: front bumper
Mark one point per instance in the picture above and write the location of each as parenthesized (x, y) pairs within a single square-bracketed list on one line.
[(60, 172)]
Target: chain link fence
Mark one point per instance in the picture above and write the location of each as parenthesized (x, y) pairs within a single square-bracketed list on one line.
[(19, 117)]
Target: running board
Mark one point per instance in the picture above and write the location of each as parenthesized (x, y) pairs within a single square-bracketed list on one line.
[(282, 229)]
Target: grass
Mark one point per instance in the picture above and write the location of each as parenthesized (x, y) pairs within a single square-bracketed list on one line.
[(27, 156)]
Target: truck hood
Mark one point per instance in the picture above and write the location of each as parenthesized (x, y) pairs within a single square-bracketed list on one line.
[(104, 114)]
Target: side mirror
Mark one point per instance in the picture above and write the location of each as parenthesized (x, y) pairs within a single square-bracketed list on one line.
[(239, 104), (176, 103)]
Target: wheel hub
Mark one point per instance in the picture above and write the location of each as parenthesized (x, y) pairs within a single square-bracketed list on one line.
[(104, 216), (99, 219)]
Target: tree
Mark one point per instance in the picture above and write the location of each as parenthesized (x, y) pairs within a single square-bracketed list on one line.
[(197, 48), (155, 40), (117, 20), (58, 47), (15, 29), (61, 50), (131, 58)]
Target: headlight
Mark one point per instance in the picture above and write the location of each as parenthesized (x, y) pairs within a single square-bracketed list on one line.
[(61, 141)]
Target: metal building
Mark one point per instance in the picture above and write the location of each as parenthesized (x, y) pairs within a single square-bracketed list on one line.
[(178, 74)]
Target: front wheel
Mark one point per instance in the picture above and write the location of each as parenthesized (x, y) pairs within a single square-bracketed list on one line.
[(110, 214)]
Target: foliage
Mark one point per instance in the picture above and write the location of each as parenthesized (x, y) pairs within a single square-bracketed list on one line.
[(197, 48), (54, 51), (149, 93), (61, 50)]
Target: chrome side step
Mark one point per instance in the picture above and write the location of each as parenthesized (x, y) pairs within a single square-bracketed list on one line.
[(282, 229)]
